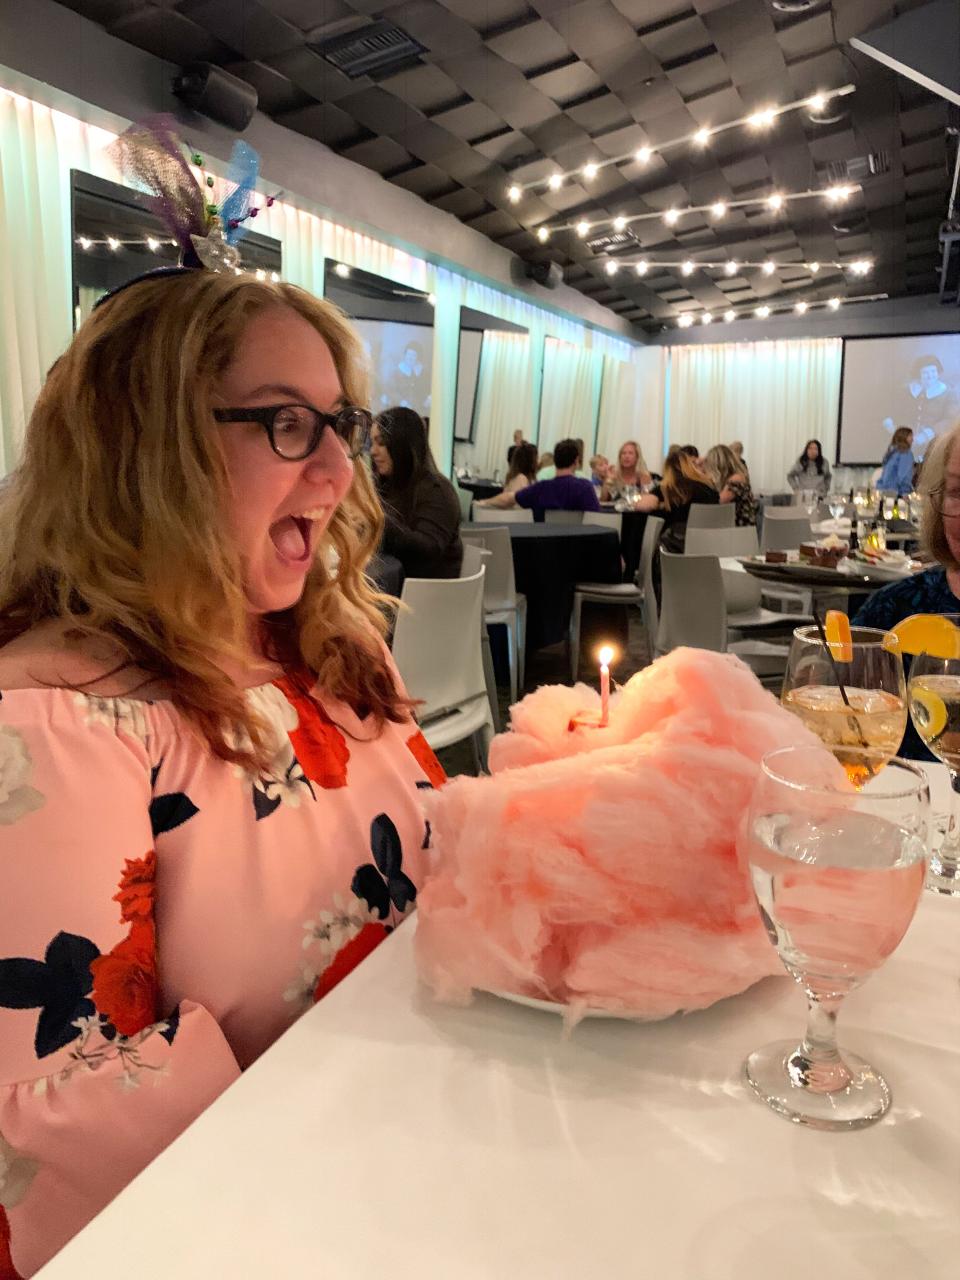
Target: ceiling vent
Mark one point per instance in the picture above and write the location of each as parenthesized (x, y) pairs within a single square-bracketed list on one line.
[(611, 240), (859, 169), (794, 6), (375, 50)]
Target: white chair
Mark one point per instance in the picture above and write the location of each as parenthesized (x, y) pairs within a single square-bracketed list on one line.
[(594, 593), (502, 604), (605, 519), (693, 612), (784, 535), (476, 558), (563, 517), (438, 652), (648, 550), (711, 515), (738, 541), (502, 515), (466, 502)]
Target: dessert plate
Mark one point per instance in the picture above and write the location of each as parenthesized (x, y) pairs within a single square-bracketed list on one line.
[(552, 1006)]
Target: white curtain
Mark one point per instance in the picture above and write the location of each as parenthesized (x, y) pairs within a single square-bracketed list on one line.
[(774, 396), (503, 390), (571, 386), (631, 405)]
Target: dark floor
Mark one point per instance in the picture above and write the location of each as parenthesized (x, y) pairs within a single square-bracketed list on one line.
[(551, 666)]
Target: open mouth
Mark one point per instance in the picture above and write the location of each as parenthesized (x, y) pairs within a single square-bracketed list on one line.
[(292, 537)]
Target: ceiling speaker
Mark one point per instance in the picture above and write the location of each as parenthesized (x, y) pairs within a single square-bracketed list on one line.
[(547, 274), (217, 94)]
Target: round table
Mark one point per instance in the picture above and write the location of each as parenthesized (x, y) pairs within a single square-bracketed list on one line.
[(481, 488), (548, 560)]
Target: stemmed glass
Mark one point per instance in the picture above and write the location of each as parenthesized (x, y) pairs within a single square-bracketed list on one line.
[(864, 731), (837, 505), (837, 874), (934, 696)]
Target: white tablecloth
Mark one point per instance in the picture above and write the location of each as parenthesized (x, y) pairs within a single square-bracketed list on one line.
[(387, 1135)]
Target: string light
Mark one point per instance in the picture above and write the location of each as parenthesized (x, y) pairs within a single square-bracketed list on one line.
[(813, 267), (768, 268), (83, 242), (274, 277), (555, 181), (801, 308), (761, 119), (817, 102), (113, 242), (685, 321), (153, 244), (582, 228), (342, 270), (833, 304), (513, 194), (772, 201), (762, 312), (729, 315), (619, 223), (543, 234), (838, 194), (706, 318), (612, 268), (718, 208), (731, 268), (261, 274), (642, 267), (687, 268)]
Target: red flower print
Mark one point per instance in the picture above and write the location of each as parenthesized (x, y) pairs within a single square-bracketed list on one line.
[(319, 745), (125, 987), (7, 1270), (136, 888), (428, 762), (348, 957)]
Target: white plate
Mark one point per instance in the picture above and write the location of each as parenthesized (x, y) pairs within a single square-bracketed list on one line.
[(552, 1006)]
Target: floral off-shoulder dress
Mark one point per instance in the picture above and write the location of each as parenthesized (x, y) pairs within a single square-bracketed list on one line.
[(164, 917)]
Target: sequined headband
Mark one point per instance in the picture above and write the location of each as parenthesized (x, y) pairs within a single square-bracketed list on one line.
[(150, 155)]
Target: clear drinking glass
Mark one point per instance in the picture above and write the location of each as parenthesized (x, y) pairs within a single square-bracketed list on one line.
[(866, 730), (810, 501), (837, 505), (837, 874), (934, 696)]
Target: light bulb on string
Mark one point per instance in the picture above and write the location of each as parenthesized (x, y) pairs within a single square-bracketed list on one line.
[(113, 242), (718, 209), (706, 318), (685, 321), (729, 315), (153, 244), (687, 268), (612, 268), (762, 119), (833, 304), (619, 223), (775, 202), (817, 102), (590, 171), (813, 267), (84, 243), (543, 234), (702, 137), (801, 308), (513, 193), (731, 268), (768, 268), (274, 277), (642, 155), (555, 181), (642, 267), (836, 195), (582, 228), (762, 312), (671, 217)]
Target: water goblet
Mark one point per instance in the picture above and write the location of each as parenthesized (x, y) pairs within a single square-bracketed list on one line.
[(934, 697), (837, 505), (864, 731), (837, 874)]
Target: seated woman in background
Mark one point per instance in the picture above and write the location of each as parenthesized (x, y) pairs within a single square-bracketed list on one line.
[(896, 472), (420, 506), (683, 484), (724, 470), (202, 731), (630, 470), (811, 470), (523, 471), (935, 590)]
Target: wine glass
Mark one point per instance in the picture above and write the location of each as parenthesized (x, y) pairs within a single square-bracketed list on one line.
[(837, 874), (837, 505), (810, 501), (858, 708), (934, 697)]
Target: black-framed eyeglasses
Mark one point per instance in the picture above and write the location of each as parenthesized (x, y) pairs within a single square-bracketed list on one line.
[(295, 430)]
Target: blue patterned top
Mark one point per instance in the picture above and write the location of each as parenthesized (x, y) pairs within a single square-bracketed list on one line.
[(927, 592)]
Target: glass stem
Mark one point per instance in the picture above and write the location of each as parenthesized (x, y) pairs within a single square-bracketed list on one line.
[(950, 849), (816, 1063)]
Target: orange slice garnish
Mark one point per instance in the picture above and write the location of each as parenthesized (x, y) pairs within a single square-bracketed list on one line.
[(930, 633), (837, 629)]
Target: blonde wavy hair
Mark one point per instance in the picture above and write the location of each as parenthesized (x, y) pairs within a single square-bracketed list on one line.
[(114, 521)]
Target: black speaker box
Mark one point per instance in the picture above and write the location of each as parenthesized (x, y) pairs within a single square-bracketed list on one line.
[(547, 274), (217, 94)]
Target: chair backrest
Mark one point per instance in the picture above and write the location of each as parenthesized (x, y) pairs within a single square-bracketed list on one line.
[(785, 512), (692, 608), (466, 501), (711, 515), (563, 517), (606, 519), (785, 535), (475, 557), (509, 515), (741, 590), (741, 540), (500, 585), (436, 642), (648, 549)]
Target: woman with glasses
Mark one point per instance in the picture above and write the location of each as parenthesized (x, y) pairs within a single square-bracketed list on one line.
[(420, 506), (934, 590), (208, 768)]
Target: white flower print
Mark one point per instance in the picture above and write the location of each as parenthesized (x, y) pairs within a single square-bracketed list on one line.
[(324, 936), (300, 991), (17, 797), (283, 778), (17, 1171), (129, 714)]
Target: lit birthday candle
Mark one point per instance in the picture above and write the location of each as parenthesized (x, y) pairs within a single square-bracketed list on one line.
[(606, 657)]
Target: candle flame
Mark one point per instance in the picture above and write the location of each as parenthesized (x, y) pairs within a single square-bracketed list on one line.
[(605, 655)]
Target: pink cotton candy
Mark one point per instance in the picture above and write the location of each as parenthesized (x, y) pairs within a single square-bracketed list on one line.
[(599, 867)]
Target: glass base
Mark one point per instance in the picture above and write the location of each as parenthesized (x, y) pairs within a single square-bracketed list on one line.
[(943, 874), (777, 1072)]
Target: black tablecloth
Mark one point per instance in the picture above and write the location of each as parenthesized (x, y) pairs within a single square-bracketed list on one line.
[(548, 559), (481, 488)]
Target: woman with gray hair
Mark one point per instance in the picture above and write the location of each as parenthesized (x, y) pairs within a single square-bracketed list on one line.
[(935, 590)]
